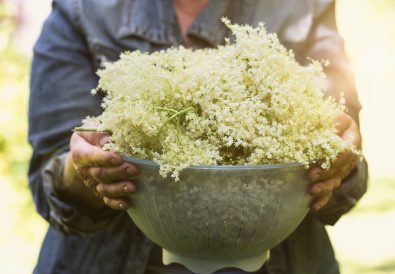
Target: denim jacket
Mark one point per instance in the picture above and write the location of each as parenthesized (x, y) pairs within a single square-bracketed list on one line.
[(77, 37)]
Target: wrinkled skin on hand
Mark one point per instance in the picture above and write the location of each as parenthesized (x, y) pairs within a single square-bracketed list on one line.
[(105, 178), (326, 181)]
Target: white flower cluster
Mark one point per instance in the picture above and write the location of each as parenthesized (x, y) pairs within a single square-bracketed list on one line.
[(248, 102)]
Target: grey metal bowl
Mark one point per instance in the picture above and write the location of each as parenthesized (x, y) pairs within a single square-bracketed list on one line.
[(219, 216)]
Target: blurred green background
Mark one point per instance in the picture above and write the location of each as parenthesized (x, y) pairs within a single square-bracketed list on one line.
[(364, 239)]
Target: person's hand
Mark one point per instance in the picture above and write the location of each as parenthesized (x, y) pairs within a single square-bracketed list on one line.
[(96, 177), (326, 181)]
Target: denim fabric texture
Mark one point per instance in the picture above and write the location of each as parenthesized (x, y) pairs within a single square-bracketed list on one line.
[(77, 37)]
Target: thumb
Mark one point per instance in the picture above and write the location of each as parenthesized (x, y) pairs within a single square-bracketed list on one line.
[(91, 134), (352, 134), (95, 138), (342, 123)]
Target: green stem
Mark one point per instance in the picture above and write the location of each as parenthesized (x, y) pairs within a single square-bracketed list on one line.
[(166, 109), (90, 129), (174, 116), (178, 130)]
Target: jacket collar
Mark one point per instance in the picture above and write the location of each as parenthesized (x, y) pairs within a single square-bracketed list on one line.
[(155, 21)]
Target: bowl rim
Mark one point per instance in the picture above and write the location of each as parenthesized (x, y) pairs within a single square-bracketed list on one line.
[(153, 164)]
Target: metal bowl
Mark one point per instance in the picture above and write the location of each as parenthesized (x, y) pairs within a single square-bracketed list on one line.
[(219, 216)]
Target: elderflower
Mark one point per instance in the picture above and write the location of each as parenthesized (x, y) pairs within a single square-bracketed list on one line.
[(249, 102)]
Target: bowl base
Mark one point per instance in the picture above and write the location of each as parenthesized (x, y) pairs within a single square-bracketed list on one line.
[(207, 266)]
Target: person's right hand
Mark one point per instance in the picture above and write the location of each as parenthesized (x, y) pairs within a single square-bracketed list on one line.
[(96, 177)]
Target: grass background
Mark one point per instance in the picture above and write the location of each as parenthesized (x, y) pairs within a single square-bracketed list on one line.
[(364, 239)]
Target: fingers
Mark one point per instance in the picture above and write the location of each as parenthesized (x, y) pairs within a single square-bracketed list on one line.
[(343, 165), (116, 190), (116, 195), (111, 174), (85, 154), (104, 172), (325, 187), (328, 180), (320, 202), (315, 173), (346, 160), (119, 204), (90, 183), (322, 192)]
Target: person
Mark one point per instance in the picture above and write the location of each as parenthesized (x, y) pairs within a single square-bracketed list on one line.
[(82, 190)]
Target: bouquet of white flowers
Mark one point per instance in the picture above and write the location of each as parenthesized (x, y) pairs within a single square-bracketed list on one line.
[(247, 102)]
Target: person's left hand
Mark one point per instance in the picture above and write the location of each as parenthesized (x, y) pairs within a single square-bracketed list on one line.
[(326, 181)]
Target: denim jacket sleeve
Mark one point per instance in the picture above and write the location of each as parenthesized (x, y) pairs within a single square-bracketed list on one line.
[(62, 76), (325, 43)]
